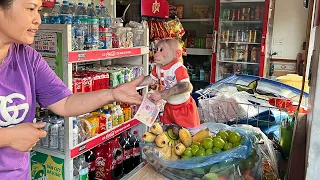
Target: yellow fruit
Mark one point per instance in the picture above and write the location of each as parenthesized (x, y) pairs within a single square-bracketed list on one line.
[(201, 135), (165, 152), (148, 137), (156, 129), (185, 137), (162, 140), (179, 149), (174, 156)]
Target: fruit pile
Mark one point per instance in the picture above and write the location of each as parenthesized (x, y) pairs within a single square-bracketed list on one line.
[(175, 142)]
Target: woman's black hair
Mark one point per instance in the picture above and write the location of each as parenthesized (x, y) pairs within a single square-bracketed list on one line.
[(5, 4)]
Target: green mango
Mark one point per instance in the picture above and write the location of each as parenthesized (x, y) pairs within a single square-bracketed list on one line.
[(215, 168), (199, 171), (210, 176)]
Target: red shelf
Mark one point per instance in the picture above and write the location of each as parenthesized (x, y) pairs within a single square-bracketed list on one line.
[(93, 55), (95, 141)]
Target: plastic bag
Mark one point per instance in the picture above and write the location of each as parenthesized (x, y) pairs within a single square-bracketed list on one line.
[(249, 160)]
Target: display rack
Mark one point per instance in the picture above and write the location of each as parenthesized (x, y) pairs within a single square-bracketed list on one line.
[(135, 55)]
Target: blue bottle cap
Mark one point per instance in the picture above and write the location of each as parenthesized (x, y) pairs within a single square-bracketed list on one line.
[(57, 3)]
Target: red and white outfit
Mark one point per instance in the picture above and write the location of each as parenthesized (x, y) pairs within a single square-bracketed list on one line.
[(180, 109)]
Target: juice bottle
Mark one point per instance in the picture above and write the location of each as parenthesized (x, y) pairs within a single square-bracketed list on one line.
[(120, 114), (108, 119), (114, 117), (102, 122), (127, 112)]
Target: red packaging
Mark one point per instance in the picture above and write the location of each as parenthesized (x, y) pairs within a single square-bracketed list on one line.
[(101, 153), (233, 14), (77, 83), (238, 15), (102, 124), (117, 160), (105, 80), (179, 10), (87, 83), (96, 81)]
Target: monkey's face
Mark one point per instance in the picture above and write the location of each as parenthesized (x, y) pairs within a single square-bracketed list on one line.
[(163, 55)]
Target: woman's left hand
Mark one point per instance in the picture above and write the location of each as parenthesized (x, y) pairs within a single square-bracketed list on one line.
[(127, 92)]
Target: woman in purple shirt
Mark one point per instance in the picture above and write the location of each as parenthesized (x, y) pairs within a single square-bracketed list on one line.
[(25, 78)]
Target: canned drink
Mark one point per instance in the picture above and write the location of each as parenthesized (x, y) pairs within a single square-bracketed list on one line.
[(248, 14), (243, 14), (228, 17), (227, 35), (233, 15), (252, 12), (254, 39), (87, 83), (250, 36), (232, 36), (45, 140), (257, 13), (61, 136), (222, 54), (96, 84), (54, 134), (223, 35)]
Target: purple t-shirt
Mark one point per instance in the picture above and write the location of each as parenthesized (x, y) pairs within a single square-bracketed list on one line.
[(25, 78)]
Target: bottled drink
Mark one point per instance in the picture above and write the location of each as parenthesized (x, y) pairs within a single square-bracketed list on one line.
[(106, 15), (120, 115), (100, 162), (93, 27), (61, 137), (54, 134), (97, 11), (117, 162), (65, 13), (102, 122), (82, 167), (127, 112), (72, 8), (80, 11), (54, 14), (75, 133), (114, 117), (91, 160), (91, 12), (78, 35), (136, 152), (109, 119), (75, 173), (127, 152)]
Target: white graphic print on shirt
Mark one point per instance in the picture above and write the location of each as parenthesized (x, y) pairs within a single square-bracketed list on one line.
[(10, 113)]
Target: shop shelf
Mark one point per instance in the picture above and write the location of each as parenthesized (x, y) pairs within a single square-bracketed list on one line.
[(249, 43), (100, 54), (99, 139), (199, 51), (241, 22), (51, 152), (237, 62), (196, 20)]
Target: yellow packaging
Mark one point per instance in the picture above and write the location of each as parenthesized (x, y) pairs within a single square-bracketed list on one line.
[(94, 122), (127, 111), (114, 117)]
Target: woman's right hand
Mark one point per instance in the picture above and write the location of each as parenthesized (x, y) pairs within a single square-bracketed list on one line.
[(23, 137)]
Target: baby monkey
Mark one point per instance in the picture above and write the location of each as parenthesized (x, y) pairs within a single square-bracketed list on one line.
[(175, 86)]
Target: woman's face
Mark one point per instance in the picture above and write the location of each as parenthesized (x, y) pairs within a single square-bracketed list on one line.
[(20, 22)]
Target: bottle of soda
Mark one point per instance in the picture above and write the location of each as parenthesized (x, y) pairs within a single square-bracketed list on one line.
[(127, 152), (117, 160), (136, 153), (90, 159), (100, 153)]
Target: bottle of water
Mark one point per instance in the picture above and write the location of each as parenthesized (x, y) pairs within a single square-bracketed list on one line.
[(100, 17), (54, 14), (80, 11), (77, 35), (72, 8), (91, 12), (98, 11), (65, 13), (106, 15)]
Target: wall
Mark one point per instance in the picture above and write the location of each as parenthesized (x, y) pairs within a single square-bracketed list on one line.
[(289, 26)]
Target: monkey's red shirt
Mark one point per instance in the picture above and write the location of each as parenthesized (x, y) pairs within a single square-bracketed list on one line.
[(180, 109)]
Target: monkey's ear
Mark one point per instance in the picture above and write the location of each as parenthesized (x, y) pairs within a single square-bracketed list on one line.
[(178, 54)]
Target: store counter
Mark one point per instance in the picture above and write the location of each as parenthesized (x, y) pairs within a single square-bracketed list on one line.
[(147, 172)]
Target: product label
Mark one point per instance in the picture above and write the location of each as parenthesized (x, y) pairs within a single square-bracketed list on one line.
[(119, 159), (136, 151), (127, 154), (109, 123)]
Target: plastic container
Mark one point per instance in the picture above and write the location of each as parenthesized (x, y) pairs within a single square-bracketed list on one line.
[(72, 8), (65, 13), (91, 12), (108, 119), (80, 11), (78, 35), (54, 14), (106, 15), (93, 28)]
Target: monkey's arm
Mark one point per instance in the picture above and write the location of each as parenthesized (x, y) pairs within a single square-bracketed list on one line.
[(147, 81), (179, 88)]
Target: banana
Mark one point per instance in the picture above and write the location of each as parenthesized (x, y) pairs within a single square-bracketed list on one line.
[(156, 129), (162, 140), (185, 137), (174, 156), (179, 149), (201, 135), (148, 137), (165, 152)]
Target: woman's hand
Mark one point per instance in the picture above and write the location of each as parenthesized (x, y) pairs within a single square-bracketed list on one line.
[(23, 137), (127, 92)]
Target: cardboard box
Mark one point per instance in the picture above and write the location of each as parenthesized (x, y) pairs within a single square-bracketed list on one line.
[(147, 173)]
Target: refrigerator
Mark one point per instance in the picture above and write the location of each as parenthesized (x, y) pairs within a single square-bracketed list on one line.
[(242, 38)]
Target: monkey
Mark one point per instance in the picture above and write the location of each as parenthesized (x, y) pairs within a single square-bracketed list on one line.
[(175, 86)]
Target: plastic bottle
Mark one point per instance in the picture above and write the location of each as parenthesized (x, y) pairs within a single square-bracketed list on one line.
[(54, 14), (136, 151), (127, 152), (100, 162), (61, 137), (77, 35), (127, 112), (72, 8), (117, 162), (75, 133), (102, 122), (106, 15), (114, 117), (83, 167), (201, 74), (54, 133), (97, 11), (91, 12), (93, 26), (109, 119), (120, 115), (91, 160), (65, 13), (80, 11), (75, 173)]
